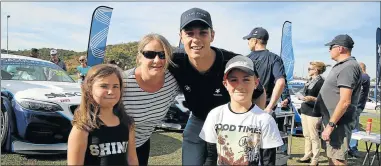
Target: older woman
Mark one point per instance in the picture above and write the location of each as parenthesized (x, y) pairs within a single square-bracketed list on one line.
[(310, 118), (150, 90)]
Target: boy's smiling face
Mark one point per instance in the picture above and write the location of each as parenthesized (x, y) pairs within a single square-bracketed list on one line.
[(240, 85)]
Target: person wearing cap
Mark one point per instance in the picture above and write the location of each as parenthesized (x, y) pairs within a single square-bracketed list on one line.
[(338, 99), (82, 69), (240, 127), (54, 58), (199, 70), (269, 66)]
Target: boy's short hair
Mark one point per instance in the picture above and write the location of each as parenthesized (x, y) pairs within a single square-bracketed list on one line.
[(243, 63)]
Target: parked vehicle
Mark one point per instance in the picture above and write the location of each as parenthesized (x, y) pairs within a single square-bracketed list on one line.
[(38, 99)]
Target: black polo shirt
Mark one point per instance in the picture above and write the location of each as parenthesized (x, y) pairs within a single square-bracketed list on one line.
[(203, 91), (269, 67)]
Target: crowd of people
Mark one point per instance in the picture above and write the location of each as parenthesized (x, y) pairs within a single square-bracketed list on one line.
[(231, 97)]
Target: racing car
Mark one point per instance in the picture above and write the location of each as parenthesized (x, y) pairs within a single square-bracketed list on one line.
[(38, 100)]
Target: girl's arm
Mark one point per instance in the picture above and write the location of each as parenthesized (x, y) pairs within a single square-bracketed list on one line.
[(131, 151), (77, 144)]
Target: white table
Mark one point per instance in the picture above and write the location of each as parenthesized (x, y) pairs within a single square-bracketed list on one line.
[(373, 138)]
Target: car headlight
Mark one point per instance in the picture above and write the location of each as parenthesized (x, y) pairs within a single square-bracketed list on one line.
[(39, 105)]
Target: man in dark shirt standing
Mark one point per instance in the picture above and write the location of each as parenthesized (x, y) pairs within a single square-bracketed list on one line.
[(269, 66), (365, 84), (338, 99)]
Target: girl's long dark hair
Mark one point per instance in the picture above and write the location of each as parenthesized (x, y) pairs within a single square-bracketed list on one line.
[(86, 115)]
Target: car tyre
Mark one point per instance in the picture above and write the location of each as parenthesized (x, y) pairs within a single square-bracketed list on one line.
[(4, 126), (377, 108)]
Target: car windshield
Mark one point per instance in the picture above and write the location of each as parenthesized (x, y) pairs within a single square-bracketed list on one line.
[(31, 70)]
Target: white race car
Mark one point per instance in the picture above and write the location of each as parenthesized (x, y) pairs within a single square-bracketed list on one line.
[(38, 100)]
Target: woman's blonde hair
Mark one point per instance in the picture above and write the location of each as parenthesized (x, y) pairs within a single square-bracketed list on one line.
[(320, 66), (168, 50), (86, 115)]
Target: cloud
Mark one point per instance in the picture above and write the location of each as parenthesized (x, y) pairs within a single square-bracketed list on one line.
[(66, 25)]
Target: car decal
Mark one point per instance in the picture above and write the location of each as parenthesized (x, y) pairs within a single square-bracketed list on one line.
[(14, 61), (67, 94), (64, 100)]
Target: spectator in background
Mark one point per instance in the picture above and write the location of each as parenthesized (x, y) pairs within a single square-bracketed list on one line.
[(338, 98), (82, 69), (54, 58), (269, 66), (112, 62), (310, 117), (271, 73), (365, 84), (34, 53)]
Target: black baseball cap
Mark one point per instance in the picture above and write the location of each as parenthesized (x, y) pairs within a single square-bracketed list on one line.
[(258, 33), (195, 14), (342, 40)]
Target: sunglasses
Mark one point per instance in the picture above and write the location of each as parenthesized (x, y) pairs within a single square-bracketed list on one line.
[(152, 54), (310, 69), (81, 60), (333, 46)]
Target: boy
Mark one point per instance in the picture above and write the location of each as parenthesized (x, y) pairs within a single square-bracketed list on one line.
[(240, 132)]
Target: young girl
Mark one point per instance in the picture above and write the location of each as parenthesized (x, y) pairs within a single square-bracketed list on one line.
[(102, 133)]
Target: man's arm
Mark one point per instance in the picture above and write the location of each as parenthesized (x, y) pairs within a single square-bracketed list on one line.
[(277, 92)]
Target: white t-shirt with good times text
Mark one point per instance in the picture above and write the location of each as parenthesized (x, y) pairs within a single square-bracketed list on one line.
[(239, 136)]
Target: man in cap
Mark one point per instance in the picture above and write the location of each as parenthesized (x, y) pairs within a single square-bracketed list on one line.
[(199, 71), (269, 66), (271, 73), (338, 99), (54, 58)]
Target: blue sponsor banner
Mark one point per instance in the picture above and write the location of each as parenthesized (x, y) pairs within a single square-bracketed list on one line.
[(378, 65), (287, 52), (98, 35)]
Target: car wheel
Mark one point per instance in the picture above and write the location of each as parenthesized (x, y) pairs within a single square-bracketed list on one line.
[(377, 108), (4, 126)]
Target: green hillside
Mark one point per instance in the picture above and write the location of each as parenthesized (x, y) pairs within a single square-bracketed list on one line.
[(124, 54)]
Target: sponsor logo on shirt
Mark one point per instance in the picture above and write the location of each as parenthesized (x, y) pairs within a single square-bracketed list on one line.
[(106, 149), (187, 88), (217, 92)]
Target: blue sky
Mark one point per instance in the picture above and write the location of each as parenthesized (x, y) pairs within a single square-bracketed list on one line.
[(66, 25)]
